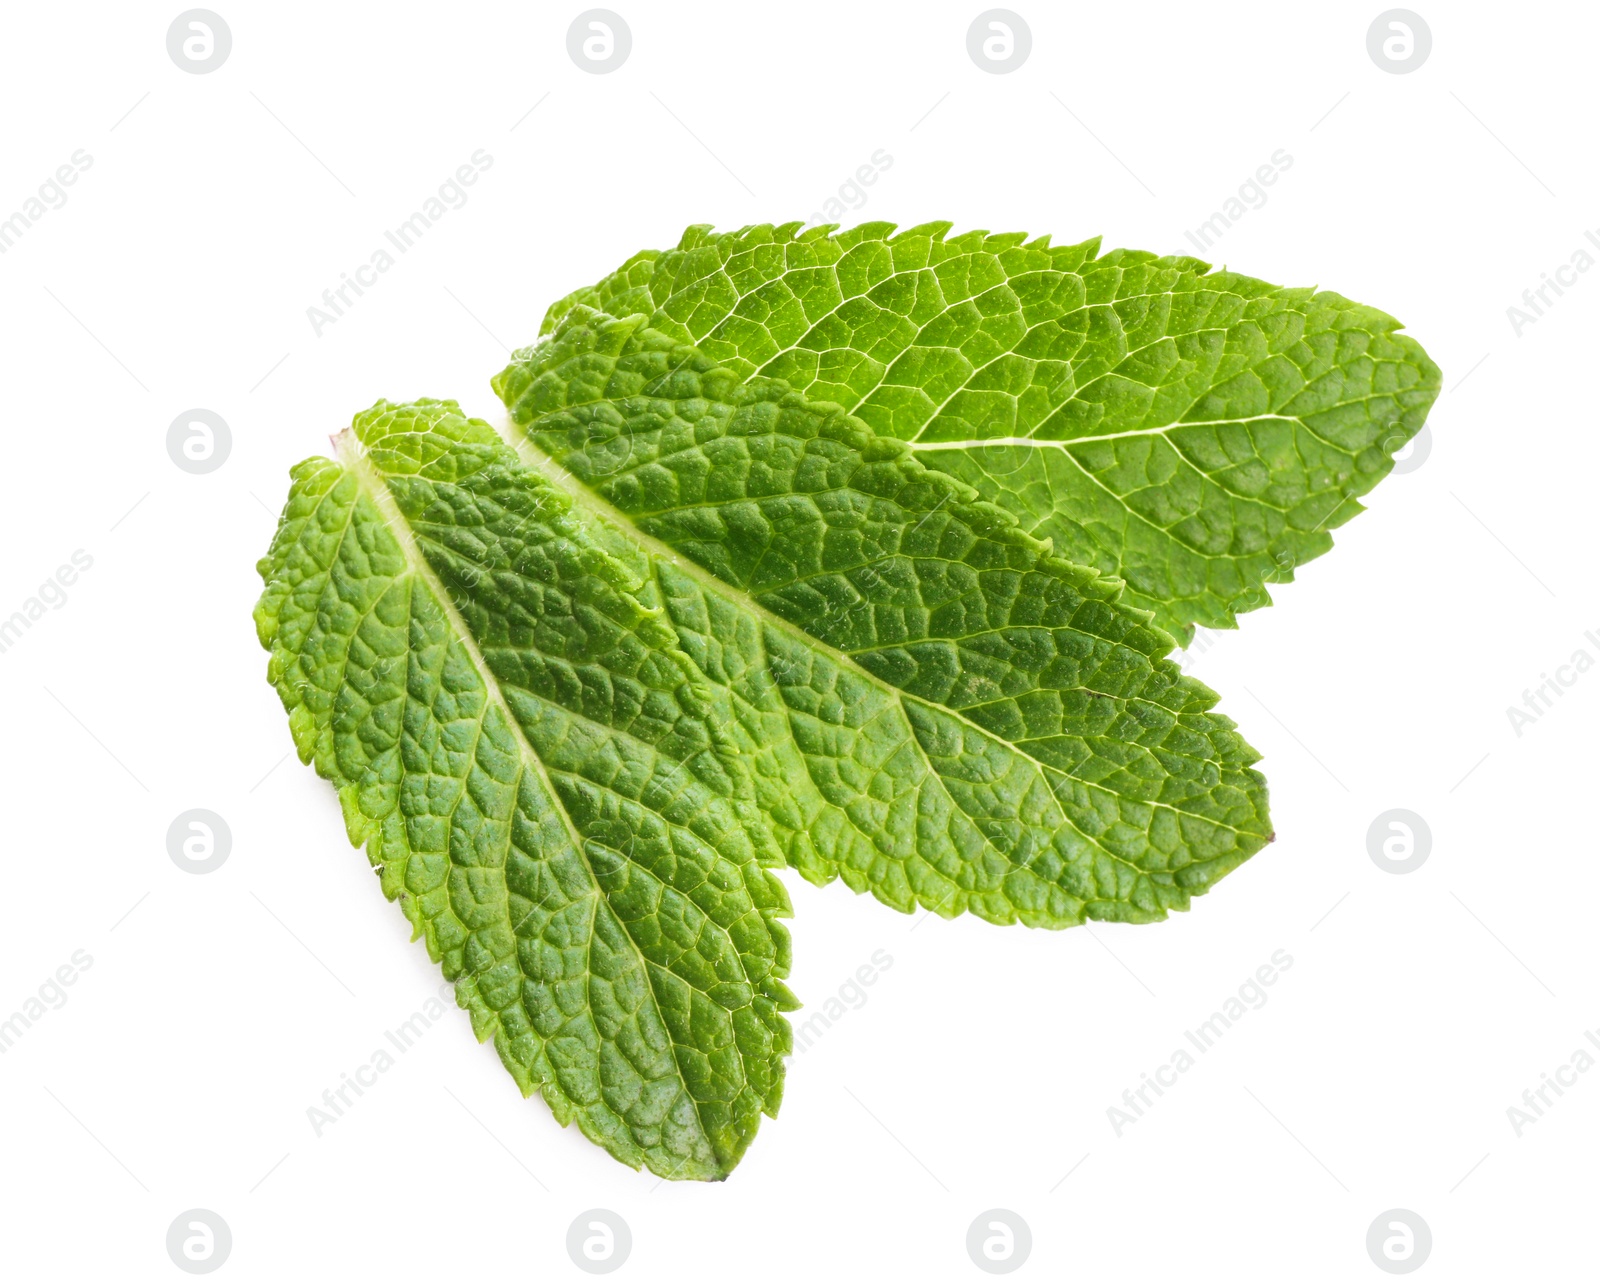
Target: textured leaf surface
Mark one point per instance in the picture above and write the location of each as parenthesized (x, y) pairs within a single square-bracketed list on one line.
[(577, 718), (858, 554), (532, 764), (935, 709), (1196, 433)]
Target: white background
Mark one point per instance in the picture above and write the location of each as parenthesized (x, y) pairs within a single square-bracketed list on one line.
[(978, 1075)]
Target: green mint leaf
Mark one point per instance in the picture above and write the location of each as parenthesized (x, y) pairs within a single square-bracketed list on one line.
[(1196, 433), (933, 707), (535, 769)]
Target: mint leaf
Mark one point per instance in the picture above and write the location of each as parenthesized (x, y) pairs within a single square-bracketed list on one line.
[(1196, 433), (534, 768)]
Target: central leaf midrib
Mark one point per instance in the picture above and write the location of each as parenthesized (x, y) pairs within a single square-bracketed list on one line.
[(598, 506), (920, 446), (353, 456)]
